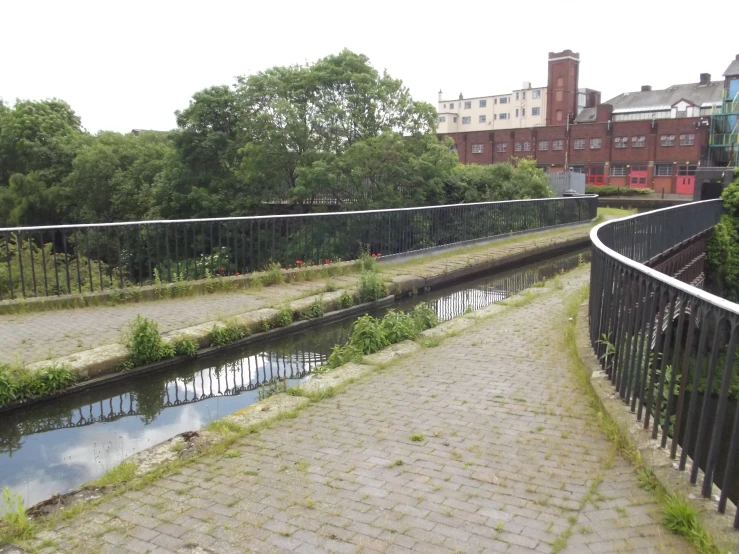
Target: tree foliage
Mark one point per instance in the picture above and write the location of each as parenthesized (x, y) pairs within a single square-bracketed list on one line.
[(336, 130), (723, 246)]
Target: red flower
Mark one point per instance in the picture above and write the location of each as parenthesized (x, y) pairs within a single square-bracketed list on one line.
[(299, 262), (378, 254), (374, 255), (311, 262), (237, 273), (218, 274)]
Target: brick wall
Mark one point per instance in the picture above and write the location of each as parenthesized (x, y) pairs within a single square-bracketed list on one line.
[(651, 153)]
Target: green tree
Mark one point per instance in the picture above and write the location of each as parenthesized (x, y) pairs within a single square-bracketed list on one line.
[(723, 246), (500, 181), (38, 141), (112, 177)]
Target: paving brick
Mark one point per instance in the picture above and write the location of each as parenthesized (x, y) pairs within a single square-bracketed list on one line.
[(493, 473)]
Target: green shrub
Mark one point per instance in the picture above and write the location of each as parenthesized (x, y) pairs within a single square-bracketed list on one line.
[(273, 275), (18, 383), (15, 519), (145, 344), (185, 346), (283, 318), (314, 310), (230, 332), (424, 317), (616, 191), (367, 335), (341, 355), (346, 300), (371, 287), (367, 262), (398, 326)]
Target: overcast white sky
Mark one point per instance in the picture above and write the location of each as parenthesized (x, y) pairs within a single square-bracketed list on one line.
[(124, 65)]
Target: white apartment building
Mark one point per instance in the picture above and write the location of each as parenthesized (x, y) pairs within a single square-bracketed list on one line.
[(525, 107)]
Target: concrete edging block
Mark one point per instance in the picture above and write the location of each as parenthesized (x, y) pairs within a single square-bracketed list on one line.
[(676, 482)]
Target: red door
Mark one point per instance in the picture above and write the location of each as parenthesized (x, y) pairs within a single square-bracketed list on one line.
[(685, 179), (639, 176), (594, 175)]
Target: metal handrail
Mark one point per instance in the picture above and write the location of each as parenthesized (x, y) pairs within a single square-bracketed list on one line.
[(71, 259), (637, 312), (287, 216)]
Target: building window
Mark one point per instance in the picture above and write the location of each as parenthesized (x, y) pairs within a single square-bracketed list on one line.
[(618, 171), (535, 111), (451, 105), (504, 100), (467, 105), (557, 144), (535, 94), (579, 144), (560, 81), (667, 140), (445, 105), (500, 147), (559, 115), (518, 147), (495, 116), (516, 96), (687, 140), (483, 103), (504, 116), (577, 169), (596, 143), (558, 96), (442, 118), (621, 142), (483, 119), (516, 112), (663, 170), (495, 100), (466, 120), (477, 148), (523, 112), (594, 175), (527, 147), (455, 119), (523, 95), (638, 142), (543, 145)]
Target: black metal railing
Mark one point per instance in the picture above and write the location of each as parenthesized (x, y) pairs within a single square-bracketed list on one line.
[(70, 259), (669, 348)]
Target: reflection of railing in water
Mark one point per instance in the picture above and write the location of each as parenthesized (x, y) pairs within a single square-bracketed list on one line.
[(231, 379)]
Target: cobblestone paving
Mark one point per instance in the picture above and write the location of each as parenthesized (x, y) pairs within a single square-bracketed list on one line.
[(45, 335), (481, 444)]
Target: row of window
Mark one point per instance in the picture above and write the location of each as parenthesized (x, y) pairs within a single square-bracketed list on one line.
[(660, 170), (467, 119), (595, 144), (685, 140), (535, 95)]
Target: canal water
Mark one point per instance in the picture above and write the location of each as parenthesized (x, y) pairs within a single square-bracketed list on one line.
[(57, 446)]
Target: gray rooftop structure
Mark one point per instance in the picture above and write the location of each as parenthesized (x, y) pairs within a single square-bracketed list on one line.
[(702, 95), (733, 68)]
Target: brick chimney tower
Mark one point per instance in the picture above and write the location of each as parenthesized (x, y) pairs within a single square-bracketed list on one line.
[(564, 70)]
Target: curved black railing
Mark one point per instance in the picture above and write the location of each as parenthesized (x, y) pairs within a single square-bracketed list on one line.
[(70, 259), (669, 348)]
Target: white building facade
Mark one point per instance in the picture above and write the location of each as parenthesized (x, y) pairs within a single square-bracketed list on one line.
[(525, 107)]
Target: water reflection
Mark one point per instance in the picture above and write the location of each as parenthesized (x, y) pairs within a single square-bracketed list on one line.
[(56, 446)]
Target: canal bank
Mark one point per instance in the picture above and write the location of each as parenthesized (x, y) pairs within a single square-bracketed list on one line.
[(297, 296)]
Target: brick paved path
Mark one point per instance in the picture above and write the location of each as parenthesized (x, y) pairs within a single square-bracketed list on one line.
[(39, 336), (511, 460)]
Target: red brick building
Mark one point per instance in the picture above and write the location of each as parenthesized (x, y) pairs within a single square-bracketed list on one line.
[(648, 139)]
